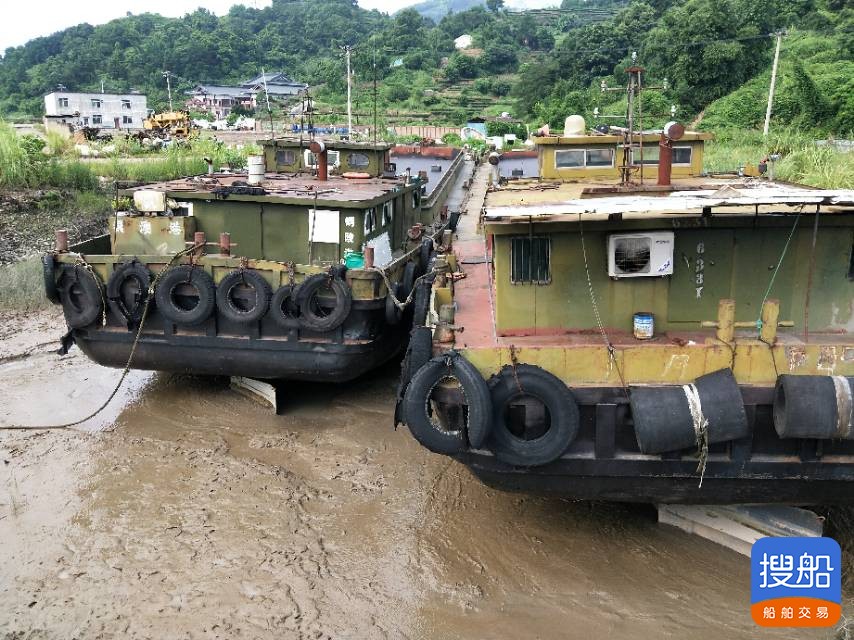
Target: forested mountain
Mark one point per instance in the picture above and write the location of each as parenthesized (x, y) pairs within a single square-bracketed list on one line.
[(541, 65)]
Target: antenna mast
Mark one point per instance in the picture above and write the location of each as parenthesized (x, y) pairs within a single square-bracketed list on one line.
[(347, 50), (633, 132)]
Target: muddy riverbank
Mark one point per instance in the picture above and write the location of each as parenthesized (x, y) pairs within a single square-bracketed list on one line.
[(189, 511)]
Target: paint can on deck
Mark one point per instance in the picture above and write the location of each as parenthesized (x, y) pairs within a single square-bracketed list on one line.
[(644, 325)]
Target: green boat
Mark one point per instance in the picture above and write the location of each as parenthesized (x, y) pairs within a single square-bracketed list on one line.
[(302, 267)]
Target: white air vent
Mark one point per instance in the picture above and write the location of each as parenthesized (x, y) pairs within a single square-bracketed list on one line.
[(640, 254)]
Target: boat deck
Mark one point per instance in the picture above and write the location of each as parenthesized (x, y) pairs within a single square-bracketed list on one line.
[(279, 185)]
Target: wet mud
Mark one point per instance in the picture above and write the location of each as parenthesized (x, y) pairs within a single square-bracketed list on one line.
[(189, 511)]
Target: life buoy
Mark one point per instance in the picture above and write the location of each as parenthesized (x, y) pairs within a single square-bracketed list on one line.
[(127, 290), (314, 313), (186, 295), (82, 296), (283, 307), (393, 313), (418, 410), (243, 296), (538, 448)]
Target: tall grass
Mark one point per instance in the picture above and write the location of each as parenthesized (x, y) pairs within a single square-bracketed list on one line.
[(21, 286), (24, 163), (801, 160)]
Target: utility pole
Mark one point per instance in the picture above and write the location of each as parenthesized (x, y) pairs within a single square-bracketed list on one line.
[(267, 95), (168, 75), (349, 103), (773, 84)]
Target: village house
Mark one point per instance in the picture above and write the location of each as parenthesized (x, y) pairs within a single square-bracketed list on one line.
[(220, 100), (100, 110)]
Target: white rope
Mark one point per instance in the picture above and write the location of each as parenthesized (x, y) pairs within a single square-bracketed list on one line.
[(701, 427)]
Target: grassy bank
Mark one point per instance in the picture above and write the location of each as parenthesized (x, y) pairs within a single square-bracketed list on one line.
[(801, 159), (22, 287)]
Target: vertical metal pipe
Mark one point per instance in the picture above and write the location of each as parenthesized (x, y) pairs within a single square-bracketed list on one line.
[(726, 320), (62, 240), (225, 244), (199, 242), (770, 317)]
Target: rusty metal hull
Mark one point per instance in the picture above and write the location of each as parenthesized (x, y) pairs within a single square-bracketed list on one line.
[(605, 463)]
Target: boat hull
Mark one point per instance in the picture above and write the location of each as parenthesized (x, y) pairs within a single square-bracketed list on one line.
[(605, 463)]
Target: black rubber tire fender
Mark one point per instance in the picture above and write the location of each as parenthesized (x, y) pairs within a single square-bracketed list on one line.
[(49, 274), (198, 278), (410, 273), (308, 317), (116, 299), (421, 302), (416, 404), (424, 254), (283, 306), (418, 353), (82, 296), (559, 401), (258, 303), (393, 313)]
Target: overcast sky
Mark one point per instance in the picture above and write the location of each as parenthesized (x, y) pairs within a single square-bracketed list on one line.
[(24, 20)]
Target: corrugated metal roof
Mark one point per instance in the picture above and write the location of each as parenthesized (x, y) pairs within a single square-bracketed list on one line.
[(676, 202)]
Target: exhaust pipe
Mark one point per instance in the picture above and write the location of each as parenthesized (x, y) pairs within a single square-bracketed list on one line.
[(319, 150), (672, 131)]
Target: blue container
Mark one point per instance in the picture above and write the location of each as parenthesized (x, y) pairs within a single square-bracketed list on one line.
[(354, 260), (644, 326)]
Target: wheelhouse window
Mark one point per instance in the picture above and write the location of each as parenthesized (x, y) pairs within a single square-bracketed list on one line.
[(681, 155), (96, 104), (530, 260), (96, 119), (648, 154), (388, 213), (370, 220), (126, 104), (62, 102), (600, 157), (569, 159), (581, 158), (358, 160), (285, 156), (127, 120)]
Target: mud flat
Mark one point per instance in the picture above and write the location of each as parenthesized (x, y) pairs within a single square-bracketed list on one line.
[(189, 511)]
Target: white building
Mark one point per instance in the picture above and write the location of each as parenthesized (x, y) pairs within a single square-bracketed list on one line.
[(100, 110), (463, 42)]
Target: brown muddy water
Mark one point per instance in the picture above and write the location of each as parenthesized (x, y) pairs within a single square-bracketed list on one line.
[(189, 511)]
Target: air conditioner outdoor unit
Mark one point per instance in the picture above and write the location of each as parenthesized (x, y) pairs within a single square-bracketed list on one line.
[(634, 255)]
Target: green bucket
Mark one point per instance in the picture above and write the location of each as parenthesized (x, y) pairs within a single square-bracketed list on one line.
[(354, 260)]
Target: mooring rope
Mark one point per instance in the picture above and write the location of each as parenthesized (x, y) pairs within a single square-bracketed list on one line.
[(127, 367), (701, 428), (609, 346)]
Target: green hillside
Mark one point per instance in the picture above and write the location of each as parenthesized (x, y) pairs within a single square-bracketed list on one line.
[(541, 65)]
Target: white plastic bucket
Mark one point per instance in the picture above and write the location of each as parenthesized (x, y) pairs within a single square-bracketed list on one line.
[(256, 169)]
